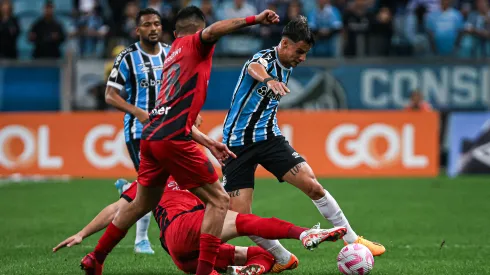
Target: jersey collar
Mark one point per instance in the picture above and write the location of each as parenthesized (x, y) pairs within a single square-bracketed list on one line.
[(147, 54)]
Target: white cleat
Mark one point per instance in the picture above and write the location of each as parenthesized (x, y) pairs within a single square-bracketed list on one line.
[(253, 269), (316, 236)]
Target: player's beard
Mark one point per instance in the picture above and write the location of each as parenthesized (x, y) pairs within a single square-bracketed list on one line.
[(147, 40)]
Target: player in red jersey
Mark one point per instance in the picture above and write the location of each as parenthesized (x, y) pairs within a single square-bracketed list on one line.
[(179, 215), (166, 145)]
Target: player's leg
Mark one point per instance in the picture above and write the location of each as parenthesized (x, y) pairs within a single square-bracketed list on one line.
[(217, 201), (287, 165), (251, 260), (272, 228), (151, 179), (238, 180), (141, 243), (194, 172)]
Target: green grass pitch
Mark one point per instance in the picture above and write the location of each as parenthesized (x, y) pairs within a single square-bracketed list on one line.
[(411, 217)]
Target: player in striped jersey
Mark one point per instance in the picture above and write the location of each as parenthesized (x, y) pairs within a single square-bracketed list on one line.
[(251, 132), (132, 87)]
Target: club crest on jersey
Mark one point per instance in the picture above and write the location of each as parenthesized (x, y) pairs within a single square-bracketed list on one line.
[(266, 92)]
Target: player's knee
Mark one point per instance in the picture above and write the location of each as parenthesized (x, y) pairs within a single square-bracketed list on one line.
[(315, 190)]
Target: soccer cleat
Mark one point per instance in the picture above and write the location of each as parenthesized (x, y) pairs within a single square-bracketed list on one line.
[(120, 185), (143, 247), (90, 265), (376, 249), (316, 236), (252, 269), (292, 264)]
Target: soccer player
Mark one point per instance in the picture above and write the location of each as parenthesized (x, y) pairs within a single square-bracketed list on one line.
[(166, 145), (251, 132), (179, 215), (136, 74)]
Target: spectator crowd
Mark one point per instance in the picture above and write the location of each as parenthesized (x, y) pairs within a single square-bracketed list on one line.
[(349, 28)]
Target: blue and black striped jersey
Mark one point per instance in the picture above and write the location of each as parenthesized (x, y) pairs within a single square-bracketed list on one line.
[(138, 76), (252, 115)]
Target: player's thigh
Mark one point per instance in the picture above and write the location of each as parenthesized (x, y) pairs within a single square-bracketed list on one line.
[(229, 227), (241, 200), (152, 171), (133, 146), (189, 165), (239, 172), (211, 194), (279, 158)]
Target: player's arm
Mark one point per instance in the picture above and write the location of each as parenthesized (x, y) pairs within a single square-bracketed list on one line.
[(116, 82), (221, 28), (113, 98), (219, 150), (100, 222), (258, 71)]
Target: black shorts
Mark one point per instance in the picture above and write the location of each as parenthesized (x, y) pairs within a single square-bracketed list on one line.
[(134, 152), (275, 155)]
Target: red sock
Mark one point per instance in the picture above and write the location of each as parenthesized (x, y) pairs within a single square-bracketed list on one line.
[(112, 236), (257, 255), (267, 228), (208, 251)]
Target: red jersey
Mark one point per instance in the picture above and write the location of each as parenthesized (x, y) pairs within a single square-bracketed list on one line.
[(185, 77), (174, 201)]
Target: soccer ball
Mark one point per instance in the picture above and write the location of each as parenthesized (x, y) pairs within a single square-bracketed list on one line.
[(355, 259)]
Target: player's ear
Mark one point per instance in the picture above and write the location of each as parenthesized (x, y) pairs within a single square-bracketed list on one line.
[(285, 43), (175, 34), (137, 31)]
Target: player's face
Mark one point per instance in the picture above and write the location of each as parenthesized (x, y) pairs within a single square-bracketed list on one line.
[(296, 52), (150, 29)]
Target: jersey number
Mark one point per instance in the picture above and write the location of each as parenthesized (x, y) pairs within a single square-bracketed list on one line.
[(172, 77)]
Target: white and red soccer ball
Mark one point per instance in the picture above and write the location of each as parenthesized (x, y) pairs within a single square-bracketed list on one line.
[(355, 259)]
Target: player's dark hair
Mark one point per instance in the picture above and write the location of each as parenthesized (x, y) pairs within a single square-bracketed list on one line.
[(189, 19), (298, 30), (147, 11)]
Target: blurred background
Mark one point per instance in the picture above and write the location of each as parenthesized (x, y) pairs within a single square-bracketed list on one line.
[(391, 104), (405, 56)]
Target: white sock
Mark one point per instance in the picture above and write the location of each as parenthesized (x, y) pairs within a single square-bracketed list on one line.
[(330, 209), (281, 254), (142, 228)]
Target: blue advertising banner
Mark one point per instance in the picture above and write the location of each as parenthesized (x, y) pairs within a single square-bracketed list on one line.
[(311, 88), (388, 86), (466, 130), (30, 89)]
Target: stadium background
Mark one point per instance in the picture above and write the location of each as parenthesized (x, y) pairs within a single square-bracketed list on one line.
[(396, 173)]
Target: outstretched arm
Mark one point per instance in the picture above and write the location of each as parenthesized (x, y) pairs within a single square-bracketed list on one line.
[(100, 222), (258, 72), (225, 27)]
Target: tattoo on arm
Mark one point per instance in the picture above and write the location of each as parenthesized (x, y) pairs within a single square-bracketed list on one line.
[(295, 170), (235, 193), (239, 22)]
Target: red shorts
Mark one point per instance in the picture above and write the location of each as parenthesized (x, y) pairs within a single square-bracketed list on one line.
[(182, 159), (182, 240)]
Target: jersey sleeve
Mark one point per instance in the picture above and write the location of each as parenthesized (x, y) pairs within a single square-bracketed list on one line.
[(130, 193), (265, 59), (119, 73), (204, 49)]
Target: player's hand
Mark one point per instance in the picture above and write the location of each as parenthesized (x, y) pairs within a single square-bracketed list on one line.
[(278, 87), (267, 17), (221, 152), (71, 241), (142, 115)]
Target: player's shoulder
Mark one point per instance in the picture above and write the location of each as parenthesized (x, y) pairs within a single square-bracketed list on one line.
[(131, 48), (264, 57)]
